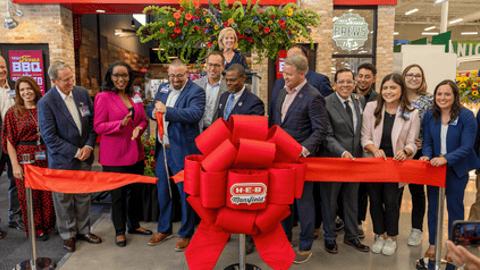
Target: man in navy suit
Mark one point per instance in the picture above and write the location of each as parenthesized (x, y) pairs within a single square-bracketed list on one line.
[(300, 111), (65, 116), (182, 103), (344, 131), (317, 80), (238, 99)]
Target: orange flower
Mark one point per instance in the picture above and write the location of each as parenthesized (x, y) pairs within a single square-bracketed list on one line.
[(188, 16), (177, 15), (177, 30)]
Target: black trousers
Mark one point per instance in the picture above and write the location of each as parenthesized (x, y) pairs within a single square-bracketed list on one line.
[(126, 200), (384, 207), (362, 202)]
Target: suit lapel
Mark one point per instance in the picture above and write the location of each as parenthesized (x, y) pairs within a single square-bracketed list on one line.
[(298, 100), (240, 102), (278, 106), (358, 111), (62, 107), (397, 127), (79, 102), (337, 103)]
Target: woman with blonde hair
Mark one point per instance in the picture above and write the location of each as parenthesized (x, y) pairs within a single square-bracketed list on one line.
[(227, 41)]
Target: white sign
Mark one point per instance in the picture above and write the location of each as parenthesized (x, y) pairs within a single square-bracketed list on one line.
[(350, 32)]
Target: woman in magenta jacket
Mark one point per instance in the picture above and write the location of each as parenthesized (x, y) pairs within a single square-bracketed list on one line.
[(120, 120)]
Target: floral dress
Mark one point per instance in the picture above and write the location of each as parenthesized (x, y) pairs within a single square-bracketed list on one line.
[(21, 131)]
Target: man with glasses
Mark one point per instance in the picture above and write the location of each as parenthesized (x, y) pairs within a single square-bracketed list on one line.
[(65, 117), (214, 85), (344, 111), (181, 103), (238, 99), (366, 77)]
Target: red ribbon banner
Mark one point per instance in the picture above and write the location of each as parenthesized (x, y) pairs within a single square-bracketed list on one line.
[(70, 181), (243, 183)]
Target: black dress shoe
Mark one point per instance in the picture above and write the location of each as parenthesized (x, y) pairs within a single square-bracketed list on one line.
[(331, 246), (136, 231), (43, 237), (69, 244), (19, 225), (90, 238), (339, 224), (121, 243), (357, 245)]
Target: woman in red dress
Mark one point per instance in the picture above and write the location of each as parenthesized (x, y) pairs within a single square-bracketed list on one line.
[(21, 136)]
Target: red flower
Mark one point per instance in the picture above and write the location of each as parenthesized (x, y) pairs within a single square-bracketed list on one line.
[(196, 28), (266, 30), (177, 15), (469, 83), (225, 24), (162, 30), (177, 30), (209, 44), (154, 164), (260, 11), (272, 16), (185, 23), (197, 12), (178, 23), (173, 35), (181, 9), (289, 32), (468, 74), (272, 34), (259, 27), (281, 22), (188, 16), (145, 162), (284, 26), (151, 153), (240, 36), (296, 27)]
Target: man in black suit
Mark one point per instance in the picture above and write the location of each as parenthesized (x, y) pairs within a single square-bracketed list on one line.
[(344, 111), (7, 100), (238, 99)]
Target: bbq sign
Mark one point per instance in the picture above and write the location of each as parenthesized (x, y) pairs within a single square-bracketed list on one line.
[(248, 193), (27, 63), (350, 32)]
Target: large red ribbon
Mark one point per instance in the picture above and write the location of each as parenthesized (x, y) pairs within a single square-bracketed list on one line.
[(70, 181), (243, 183)]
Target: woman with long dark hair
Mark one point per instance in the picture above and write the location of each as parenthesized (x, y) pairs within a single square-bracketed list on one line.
[(120, 120), (390, 127), (21, 136), (449, 132), (421, 100)]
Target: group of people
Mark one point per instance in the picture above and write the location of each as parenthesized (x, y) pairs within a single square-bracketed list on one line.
[(403, 121)]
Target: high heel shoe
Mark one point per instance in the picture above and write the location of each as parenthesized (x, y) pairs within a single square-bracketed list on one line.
[(121, 243)]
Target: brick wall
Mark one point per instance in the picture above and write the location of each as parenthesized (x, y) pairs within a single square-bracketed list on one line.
[(50, 24), (386, 24)]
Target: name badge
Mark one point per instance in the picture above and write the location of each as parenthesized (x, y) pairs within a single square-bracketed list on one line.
[(165, 89), (40, 155), (11, 93), (137, 99), (85, 111)]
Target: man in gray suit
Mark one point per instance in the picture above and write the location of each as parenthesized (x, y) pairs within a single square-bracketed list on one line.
[(214, 85), (65, 116), (344, 130)]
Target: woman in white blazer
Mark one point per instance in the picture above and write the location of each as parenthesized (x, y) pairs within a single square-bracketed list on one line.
[(390, 127)]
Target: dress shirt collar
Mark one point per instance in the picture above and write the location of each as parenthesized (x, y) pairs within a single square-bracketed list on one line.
[(63, 95), (239, 93), (342, 99)]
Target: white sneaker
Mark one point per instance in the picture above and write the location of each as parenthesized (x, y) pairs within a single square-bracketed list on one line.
[(378, 245), (415, 238), (389, 247)]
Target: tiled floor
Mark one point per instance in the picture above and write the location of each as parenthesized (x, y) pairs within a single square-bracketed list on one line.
[(138, 255)]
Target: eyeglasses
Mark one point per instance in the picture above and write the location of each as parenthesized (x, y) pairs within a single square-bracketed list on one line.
[(413, 76), (346, 81), (118, 76), (179, 76), (213, 65)]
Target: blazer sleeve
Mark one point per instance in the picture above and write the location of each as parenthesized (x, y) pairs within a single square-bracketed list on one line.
[(191, 113), (257, 108), (48, 129), (368, 123), (331, 144), (469, 131), (413, 132), (326, 88), (92, 136), (101, 122), (427, 143), (318, 119)]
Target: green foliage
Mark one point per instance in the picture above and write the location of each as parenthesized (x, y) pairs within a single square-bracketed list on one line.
[(180, 32)]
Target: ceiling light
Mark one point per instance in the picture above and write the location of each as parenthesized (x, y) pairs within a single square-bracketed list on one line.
[(455, 21), (429, 28), (469, 33), (395, 33), (411, 11), (430, 33), (100, 11)]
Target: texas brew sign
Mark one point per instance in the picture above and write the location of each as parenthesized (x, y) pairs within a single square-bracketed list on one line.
[(350, 32)]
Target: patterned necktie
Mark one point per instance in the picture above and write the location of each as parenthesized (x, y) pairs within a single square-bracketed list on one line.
[(229, 107), (349, 110)]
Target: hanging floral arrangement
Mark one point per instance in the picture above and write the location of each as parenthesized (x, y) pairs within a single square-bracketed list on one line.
[(190, 28), (469, 87)]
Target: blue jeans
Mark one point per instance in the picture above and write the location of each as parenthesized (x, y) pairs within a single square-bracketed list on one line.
[(165, 202)]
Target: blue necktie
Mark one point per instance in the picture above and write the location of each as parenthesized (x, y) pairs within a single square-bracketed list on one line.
[(229, 107)]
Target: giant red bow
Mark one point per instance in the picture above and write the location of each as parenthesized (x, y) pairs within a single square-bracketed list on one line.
[(243, 183)]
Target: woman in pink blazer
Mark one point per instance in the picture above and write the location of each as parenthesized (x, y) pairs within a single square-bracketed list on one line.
[(390, 127), (120, 120)]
